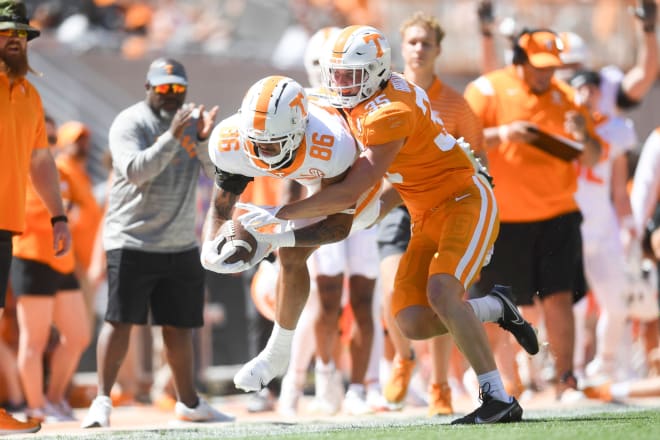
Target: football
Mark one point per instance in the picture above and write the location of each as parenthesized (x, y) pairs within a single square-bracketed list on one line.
[(239, 239)]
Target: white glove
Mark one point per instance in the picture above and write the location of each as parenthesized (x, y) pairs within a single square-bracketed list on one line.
[(215, 261), (211, 258), (259, 216), (276, 240)]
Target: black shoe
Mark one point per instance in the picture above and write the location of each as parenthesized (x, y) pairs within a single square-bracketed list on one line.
[(513, 321), (492, 411)]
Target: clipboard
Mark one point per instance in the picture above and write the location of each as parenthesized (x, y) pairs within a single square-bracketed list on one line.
[(558, 146)]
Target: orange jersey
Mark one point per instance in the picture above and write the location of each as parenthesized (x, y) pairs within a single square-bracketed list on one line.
[(22, 129), (84, 221), (36, 242), (530, 184), (456, 114), (430, 167)]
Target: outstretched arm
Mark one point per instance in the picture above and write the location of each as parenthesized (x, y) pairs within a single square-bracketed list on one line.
[(367, 170), (638, 80), (46, 181)]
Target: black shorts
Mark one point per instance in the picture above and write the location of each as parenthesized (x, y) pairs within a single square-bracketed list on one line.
[(170, 286), (394, 233), (5, 264), (29, 277), (537, 258)]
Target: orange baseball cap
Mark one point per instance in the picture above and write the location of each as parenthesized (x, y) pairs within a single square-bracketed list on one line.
[(70, 132), (542, 48)]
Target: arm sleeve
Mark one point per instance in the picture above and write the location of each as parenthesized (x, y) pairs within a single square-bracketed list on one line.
[(233, 183)]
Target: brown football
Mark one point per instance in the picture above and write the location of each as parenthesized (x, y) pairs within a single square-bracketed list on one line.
[(240, 239)]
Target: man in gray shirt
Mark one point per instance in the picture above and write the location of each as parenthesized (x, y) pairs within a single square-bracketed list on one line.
[(158, 147)]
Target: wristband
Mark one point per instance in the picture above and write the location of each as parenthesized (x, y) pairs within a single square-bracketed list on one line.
[(59, 218)]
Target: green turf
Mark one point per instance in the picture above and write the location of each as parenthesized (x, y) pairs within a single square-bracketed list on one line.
[(618, 423)]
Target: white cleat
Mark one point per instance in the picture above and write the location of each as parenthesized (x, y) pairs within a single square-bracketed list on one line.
[(287, 404), (202, 413), (98, 415), (355, 404), (329, 392), (257, 373)]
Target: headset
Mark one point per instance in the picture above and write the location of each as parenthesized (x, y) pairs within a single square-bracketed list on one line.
[(519, 54)]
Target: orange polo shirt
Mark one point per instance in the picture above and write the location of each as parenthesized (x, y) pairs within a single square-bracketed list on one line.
[(456, 114), (530, 184), (22, 128)]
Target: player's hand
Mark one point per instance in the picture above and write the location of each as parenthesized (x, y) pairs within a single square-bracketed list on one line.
[(212, 258), (61, 238), (181, 119), (284, 238), (205, 122), (647, 13), (258, 217), (486, 17), (517, 131), (576, 125)]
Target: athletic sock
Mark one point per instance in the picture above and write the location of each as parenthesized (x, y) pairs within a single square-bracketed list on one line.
[(278, 347), (487, 308), (491, 382)]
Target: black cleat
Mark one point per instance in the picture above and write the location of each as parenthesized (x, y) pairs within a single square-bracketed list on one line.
[(513, 321), (492, 411)]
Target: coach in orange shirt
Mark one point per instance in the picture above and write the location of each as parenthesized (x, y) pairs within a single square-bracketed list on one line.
[(538, 250), (23, 148)]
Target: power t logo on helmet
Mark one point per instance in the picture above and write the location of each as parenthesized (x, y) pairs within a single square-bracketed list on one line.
[(273, 118), (356, 63)]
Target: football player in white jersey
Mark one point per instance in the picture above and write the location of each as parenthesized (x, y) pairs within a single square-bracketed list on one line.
[(356, 259), (605, 205), (278, 133)]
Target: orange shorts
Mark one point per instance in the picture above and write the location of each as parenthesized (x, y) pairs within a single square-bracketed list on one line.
[(455, 238)]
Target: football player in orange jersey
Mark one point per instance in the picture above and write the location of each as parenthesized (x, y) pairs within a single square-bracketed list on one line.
[(453, 210), (421, 37)]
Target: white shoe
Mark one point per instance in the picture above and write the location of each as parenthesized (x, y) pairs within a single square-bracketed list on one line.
[(377, 401), (59, 412), (258, 373), (356, 404), (261, 401), (98, 415), (287, 404), (203, 412), (329, 392), (600, 370)]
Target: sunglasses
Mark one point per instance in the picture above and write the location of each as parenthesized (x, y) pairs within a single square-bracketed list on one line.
[(13, 33), (166, 88)]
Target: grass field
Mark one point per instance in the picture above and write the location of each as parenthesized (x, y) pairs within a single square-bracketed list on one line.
[(603, 422)]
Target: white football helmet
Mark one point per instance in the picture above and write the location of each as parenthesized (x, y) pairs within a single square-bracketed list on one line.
[(358, 52), (575, 49), (313, 52), (274, 110)]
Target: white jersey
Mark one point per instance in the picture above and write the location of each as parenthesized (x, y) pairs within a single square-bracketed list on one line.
[(594, 184), (327, 151), (646, 184)]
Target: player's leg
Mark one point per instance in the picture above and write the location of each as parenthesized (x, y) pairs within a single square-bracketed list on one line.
[(292, 292)]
